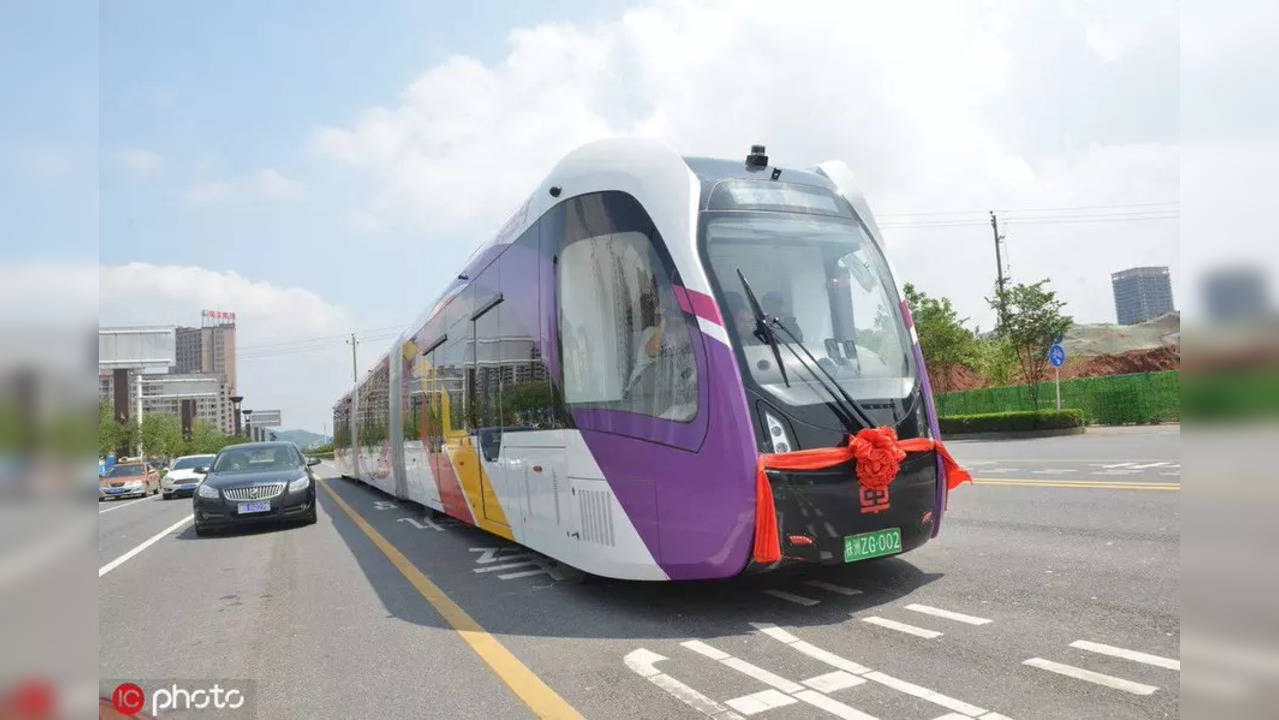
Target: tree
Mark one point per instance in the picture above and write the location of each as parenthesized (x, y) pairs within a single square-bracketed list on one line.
[(943, 340), (1032, 324), (162, 435), (114, 437), (996, 360), (207, 438)]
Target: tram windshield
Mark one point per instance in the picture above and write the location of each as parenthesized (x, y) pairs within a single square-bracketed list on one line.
[(827, 282)]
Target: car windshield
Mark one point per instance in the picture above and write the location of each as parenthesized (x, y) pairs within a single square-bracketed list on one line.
[(125, 471), (254, 459), (195, 461), (828, 283)]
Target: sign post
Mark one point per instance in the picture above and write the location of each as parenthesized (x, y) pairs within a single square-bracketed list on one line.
[(1057, 356)]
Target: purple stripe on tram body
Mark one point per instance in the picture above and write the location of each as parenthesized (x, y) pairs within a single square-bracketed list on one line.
[(695, 511), (933, 425)]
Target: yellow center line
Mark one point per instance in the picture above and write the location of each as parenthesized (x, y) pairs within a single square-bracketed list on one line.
[(1098, 485), (528, 687)]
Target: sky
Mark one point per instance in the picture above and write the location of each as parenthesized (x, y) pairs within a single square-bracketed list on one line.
[(323, 168)]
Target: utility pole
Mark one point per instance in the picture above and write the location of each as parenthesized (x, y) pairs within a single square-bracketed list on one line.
[(999, 269), (354, 374)]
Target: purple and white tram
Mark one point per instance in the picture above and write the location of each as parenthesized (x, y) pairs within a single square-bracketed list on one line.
[(600, 379)]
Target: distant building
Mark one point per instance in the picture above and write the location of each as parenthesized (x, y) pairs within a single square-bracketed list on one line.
[(1141, 293), (209, 349), (1235, 293), (164, 392)]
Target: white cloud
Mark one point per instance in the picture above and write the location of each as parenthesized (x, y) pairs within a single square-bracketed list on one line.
[(140, 161), (1102, 43), (267, 184), (290, 340), (46, 162), (922, 102)]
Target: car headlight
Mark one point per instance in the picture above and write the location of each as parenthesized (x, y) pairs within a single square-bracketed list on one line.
[(777, 434), (206, 491), (300, 484)]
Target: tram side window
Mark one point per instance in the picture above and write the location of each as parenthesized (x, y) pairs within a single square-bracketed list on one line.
[(625, 341)]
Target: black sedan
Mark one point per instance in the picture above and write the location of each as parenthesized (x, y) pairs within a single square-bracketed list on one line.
[(255, 483)]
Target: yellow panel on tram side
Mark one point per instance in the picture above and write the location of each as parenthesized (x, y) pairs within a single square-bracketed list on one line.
[(462, 454)]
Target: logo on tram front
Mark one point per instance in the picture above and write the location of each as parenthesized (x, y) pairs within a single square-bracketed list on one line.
[(873, 501)]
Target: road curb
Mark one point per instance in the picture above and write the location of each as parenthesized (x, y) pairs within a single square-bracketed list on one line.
[(1018, 434)]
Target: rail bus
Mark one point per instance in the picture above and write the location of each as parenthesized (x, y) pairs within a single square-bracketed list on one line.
[(600, 380)]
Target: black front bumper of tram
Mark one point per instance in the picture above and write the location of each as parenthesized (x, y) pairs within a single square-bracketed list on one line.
[(817, 509)]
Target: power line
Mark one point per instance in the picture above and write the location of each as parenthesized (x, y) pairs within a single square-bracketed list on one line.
[(320, 338), (1036, 220), (913, 213)]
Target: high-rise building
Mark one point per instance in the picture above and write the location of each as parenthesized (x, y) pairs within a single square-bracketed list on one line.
[(1235, 293), (1141, 293), (210, 348)]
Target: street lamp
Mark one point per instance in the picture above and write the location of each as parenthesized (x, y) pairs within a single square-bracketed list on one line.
[(235, 411)]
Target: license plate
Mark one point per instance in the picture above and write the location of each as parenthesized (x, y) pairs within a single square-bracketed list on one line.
[(253, 507), (872, 544)]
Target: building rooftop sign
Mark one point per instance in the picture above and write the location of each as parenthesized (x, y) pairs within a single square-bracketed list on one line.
[(217, 318)]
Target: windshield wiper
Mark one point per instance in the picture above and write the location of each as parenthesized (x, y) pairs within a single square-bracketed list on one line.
[(838, 394), (842, 402), (762, 330)]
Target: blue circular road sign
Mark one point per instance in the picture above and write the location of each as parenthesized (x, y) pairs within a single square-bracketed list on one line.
[(1057, 355)]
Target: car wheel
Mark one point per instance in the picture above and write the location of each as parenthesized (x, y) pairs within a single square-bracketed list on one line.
[(166, 496)]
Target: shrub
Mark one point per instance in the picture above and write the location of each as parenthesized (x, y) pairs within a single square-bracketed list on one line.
[(1012, 421)]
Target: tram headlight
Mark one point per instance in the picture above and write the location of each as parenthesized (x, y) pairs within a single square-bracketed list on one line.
[(777, 435)]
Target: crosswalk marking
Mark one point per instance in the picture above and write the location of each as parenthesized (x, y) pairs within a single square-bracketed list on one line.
[(792, 597), (950, 703), (832, 681), (759, 702), (902, 627), (1109, 681), (754, 703), (809, 649), (641, 661), (1134, 655), (924, 693), (831, 587), (833, 706), (743, 667), (948, 614)]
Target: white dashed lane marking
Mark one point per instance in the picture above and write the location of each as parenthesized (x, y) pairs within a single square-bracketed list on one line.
[(902, 627), (1109, 681), (792, 597), (831, 587), (948, 614), (1134, 655)]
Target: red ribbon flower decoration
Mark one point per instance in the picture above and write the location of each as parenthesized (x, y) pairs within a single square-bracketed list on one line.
[(878, 457), (878, 453)]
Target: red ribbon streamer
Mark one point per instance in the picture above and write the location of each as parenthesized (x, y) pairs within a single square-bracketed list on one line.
[(878, 453)]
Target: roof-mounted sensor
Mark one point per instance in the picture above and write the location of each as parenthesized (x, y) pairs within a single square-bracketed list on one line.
[(757, 158)]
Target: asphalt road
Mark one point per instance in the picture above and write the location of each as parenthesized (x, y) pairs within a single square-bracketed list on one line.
[(1052, 564)]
